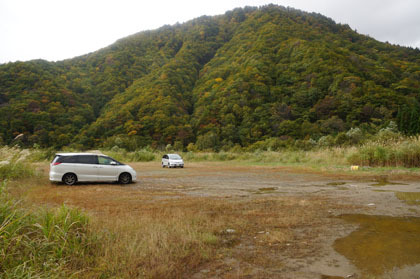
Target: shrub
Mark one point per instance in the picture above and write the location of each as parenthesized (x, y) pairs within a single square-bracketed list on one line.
[(142, 156), (208, 142), (191, 147), (354, 135), (326, 141), (178, 146), (224, 156), (38, 155)]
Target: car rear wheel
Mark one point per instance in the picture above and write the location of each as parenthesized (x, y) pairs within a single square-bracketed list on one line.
[(69, 179), (124, 178)]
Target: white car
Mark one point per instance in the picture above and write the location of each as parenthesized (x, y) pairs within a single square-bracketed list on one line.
[(172, 161), (89, 167)]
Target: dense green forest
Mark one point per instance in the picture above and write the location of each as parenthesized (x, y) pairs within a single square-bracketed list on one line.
[(250, 75)]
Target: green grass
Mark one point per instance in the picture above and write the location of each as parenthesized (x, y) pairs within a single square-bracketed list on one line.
[(43, 244)]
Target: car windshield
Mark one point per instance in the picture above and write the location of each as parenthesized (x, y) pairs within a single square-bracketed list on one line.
[(175, 156)]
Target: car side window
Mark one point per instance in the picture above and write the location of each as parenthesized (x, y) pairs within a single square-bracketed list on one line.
[(67, 159), (87, 159), (106, 160), (61, 159), (71, 159)]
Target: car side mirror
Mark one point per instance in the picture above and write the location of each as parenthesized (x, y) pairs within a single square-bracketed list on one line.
[(113, 163)]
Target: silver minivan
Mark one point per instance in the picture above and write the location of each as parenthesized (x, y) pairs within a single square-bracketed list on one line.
[(89, 167)]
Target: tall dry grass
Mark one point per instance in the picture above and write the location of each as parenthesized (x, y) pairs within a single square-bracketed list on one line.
[(13, 163), (399, 153)]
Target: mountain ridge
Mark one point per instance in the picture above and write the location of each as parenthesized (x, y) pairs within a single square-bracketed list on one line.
[(235, 79)]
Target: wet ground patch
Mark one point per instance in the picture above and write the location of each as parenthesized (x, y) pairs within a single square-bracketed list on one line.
[(267, 189), (331, 277), (381, 243), (411, 198), (384, 181), (264, 190), (336, 183)]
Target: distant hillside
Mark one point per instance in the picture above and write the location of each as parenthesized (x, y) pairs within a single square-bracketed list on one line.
[(234, 79)]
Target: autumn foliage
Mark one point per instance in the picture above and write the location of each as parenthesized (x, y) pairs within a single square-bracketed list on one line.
[(249, 75)]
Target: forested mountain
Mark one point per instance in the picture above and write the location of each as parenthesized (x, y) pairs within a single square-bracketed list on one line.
[(234, 79)]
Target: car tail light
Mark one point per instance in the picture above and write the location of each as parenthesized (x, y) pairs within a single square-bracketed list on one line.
[(56, 163)]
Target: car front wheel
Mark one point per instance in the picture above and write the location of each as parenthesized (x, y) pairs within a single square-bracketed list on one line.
[(124, 178), (69, 179)]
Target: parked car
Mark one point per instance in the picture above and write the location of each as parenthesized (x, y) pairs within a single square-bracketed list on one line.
[(89, 167), (172, 161)]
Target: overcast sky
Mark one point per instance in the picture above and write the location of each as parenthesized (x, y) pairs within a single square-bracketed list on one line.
[(61, 29)]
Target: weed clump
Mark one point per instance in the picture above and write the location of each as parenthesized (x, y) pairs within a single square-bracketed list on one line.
[(45, 244), (13, 163)]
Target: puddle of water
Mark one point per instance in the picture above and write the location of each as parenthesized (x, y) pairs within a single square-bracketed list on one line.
[(331, 277), (267, 189), (411, 198), (383, 181), (381, 243), (336, 183)]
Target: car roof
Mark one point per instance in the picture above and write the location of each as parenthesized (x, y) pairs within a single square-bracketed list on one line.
[(76, 153)]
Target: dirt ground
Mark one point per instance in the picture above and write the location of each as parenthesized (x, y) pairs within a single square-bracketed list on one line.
[(311, 254)]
